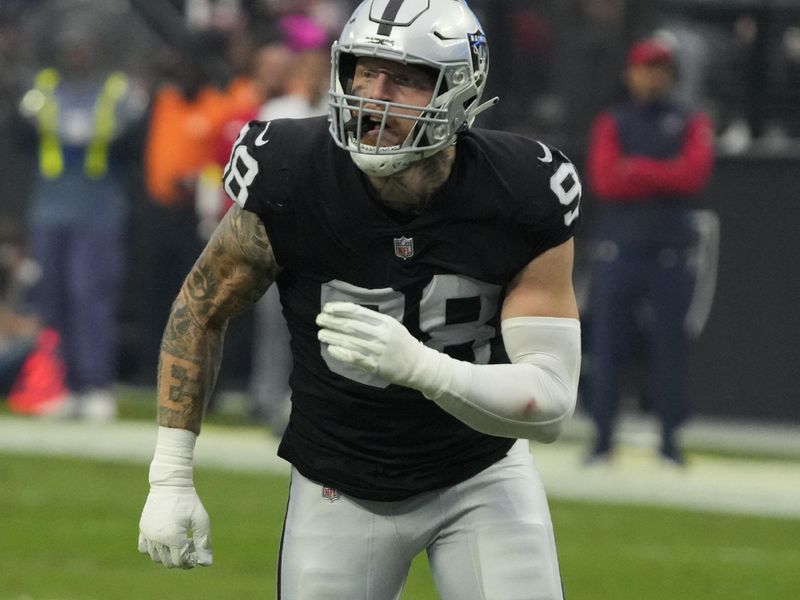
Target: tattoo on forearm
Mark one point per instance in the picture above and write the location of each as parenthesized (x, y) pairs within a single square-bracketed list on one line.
[(189, 363), (179, 389), (233, 271)]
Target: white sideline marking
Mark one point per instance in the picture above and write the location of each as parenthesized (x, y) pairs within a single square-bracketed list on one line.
[(240, 449), (758, 487)]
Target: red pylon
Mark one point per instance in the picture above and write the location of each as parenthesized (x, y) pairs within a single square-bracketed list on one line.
[(40, 386)]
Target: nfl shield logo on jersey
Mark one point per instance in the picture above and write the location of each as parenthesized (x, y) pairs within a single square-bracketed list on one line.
[(330, 493), (404, 247)]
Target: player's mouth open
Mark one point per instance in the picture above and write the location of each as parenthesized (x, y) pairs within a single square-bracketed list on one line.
[(374, 135)]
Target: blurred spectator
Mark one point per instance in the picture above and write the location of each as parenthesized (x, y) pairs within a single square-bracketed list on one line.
[(524, 78), (787, 85), (755, 83), (32, 370), (243, 89), (211, 14), (268, 67), (292, 71), (264, 56), (10, 43), (79, 115), (648, 157), (271, 64), (187, 116), (306, 96), (18, 328), (692, 44), (18, 333), (15, 76), (730, 81), (18, 272), (591, 50), (302, 33), (306, 89), (187, 113)]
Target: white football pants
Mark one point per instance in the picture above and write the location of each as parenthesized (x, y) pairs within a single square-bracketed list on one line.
[(487, 538)]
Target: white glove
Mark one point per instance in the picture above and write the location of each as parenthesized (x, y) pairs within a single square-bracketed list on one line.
[(173, 510), (376, 343)]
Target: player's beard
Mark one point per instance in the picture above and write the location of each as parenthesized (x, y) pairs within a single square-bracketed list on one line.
[(409, 190)]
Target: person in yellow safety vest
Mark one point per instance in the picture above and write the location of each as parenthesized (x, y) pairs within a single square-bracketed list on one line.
[(81, 114), (42, 101)]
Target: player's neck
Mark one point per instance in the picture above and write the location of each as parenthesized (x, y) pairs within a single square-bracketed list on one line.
[(409, 190)]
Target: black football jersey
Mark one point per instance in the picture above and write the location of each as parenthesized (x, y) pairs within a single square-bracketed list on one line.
[(441, 273)]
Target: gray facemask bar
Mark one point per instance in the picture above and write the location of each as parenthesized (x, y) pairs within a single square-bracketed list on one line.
[(346, 107), (351, 116)]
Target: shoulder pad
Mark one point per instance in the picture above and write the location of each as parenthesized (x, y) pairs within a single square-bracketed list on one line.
[(547, 182), (249, 177), (563, 182)]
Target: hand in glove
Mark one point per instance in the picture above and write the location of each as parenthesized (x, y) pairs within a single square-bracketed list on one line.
[(174, 528), (378, 344)]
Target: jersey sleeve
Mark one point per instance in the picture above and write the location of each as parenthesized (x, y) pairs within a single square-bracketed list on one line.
[(255, 177), (551, 202)]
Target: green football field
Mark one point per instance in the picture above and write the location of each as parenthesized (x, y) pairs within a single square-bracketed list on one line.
[(68, 530)]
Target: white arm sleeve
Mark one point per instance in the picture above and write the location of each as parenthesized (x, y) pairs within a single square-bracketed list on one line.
[(531, 398)]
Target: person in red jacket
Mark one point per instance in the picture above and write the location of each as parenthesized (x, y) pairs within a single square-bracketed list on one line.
[(648, 158)]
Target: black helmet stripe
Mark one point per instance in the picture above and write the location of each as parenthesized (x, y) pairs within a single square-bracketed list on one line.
[(387, 18)]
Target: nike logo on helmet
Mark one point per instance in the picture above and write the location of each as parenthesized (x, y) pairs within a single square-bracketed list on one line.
[(260, 141)]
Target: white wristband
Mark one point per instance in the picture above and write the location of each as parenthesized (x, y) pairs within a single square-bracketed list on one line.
[(174, 528), (172, 461)]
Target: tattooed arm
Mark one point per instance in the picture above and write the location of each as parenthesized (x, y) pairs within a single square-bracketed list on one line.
[(235, 269)]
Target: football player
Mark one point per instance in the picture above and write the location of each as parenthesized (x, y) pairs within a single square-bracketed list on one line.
[(425, 271)]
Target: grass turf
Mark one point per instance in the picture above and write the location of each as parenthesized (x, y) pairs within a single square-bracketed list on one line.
[(69, 531)]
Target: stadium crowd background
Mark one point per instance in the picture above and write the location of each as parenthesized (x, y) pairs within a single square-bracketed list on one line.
[(555, 64)]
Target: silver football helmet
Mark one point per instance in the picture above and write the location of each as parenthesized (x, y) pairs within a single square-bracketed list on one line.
[(445, 37)]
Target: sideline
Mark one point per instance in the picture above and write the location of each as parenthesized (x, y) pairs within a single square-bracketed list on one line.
[(709, 483)]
